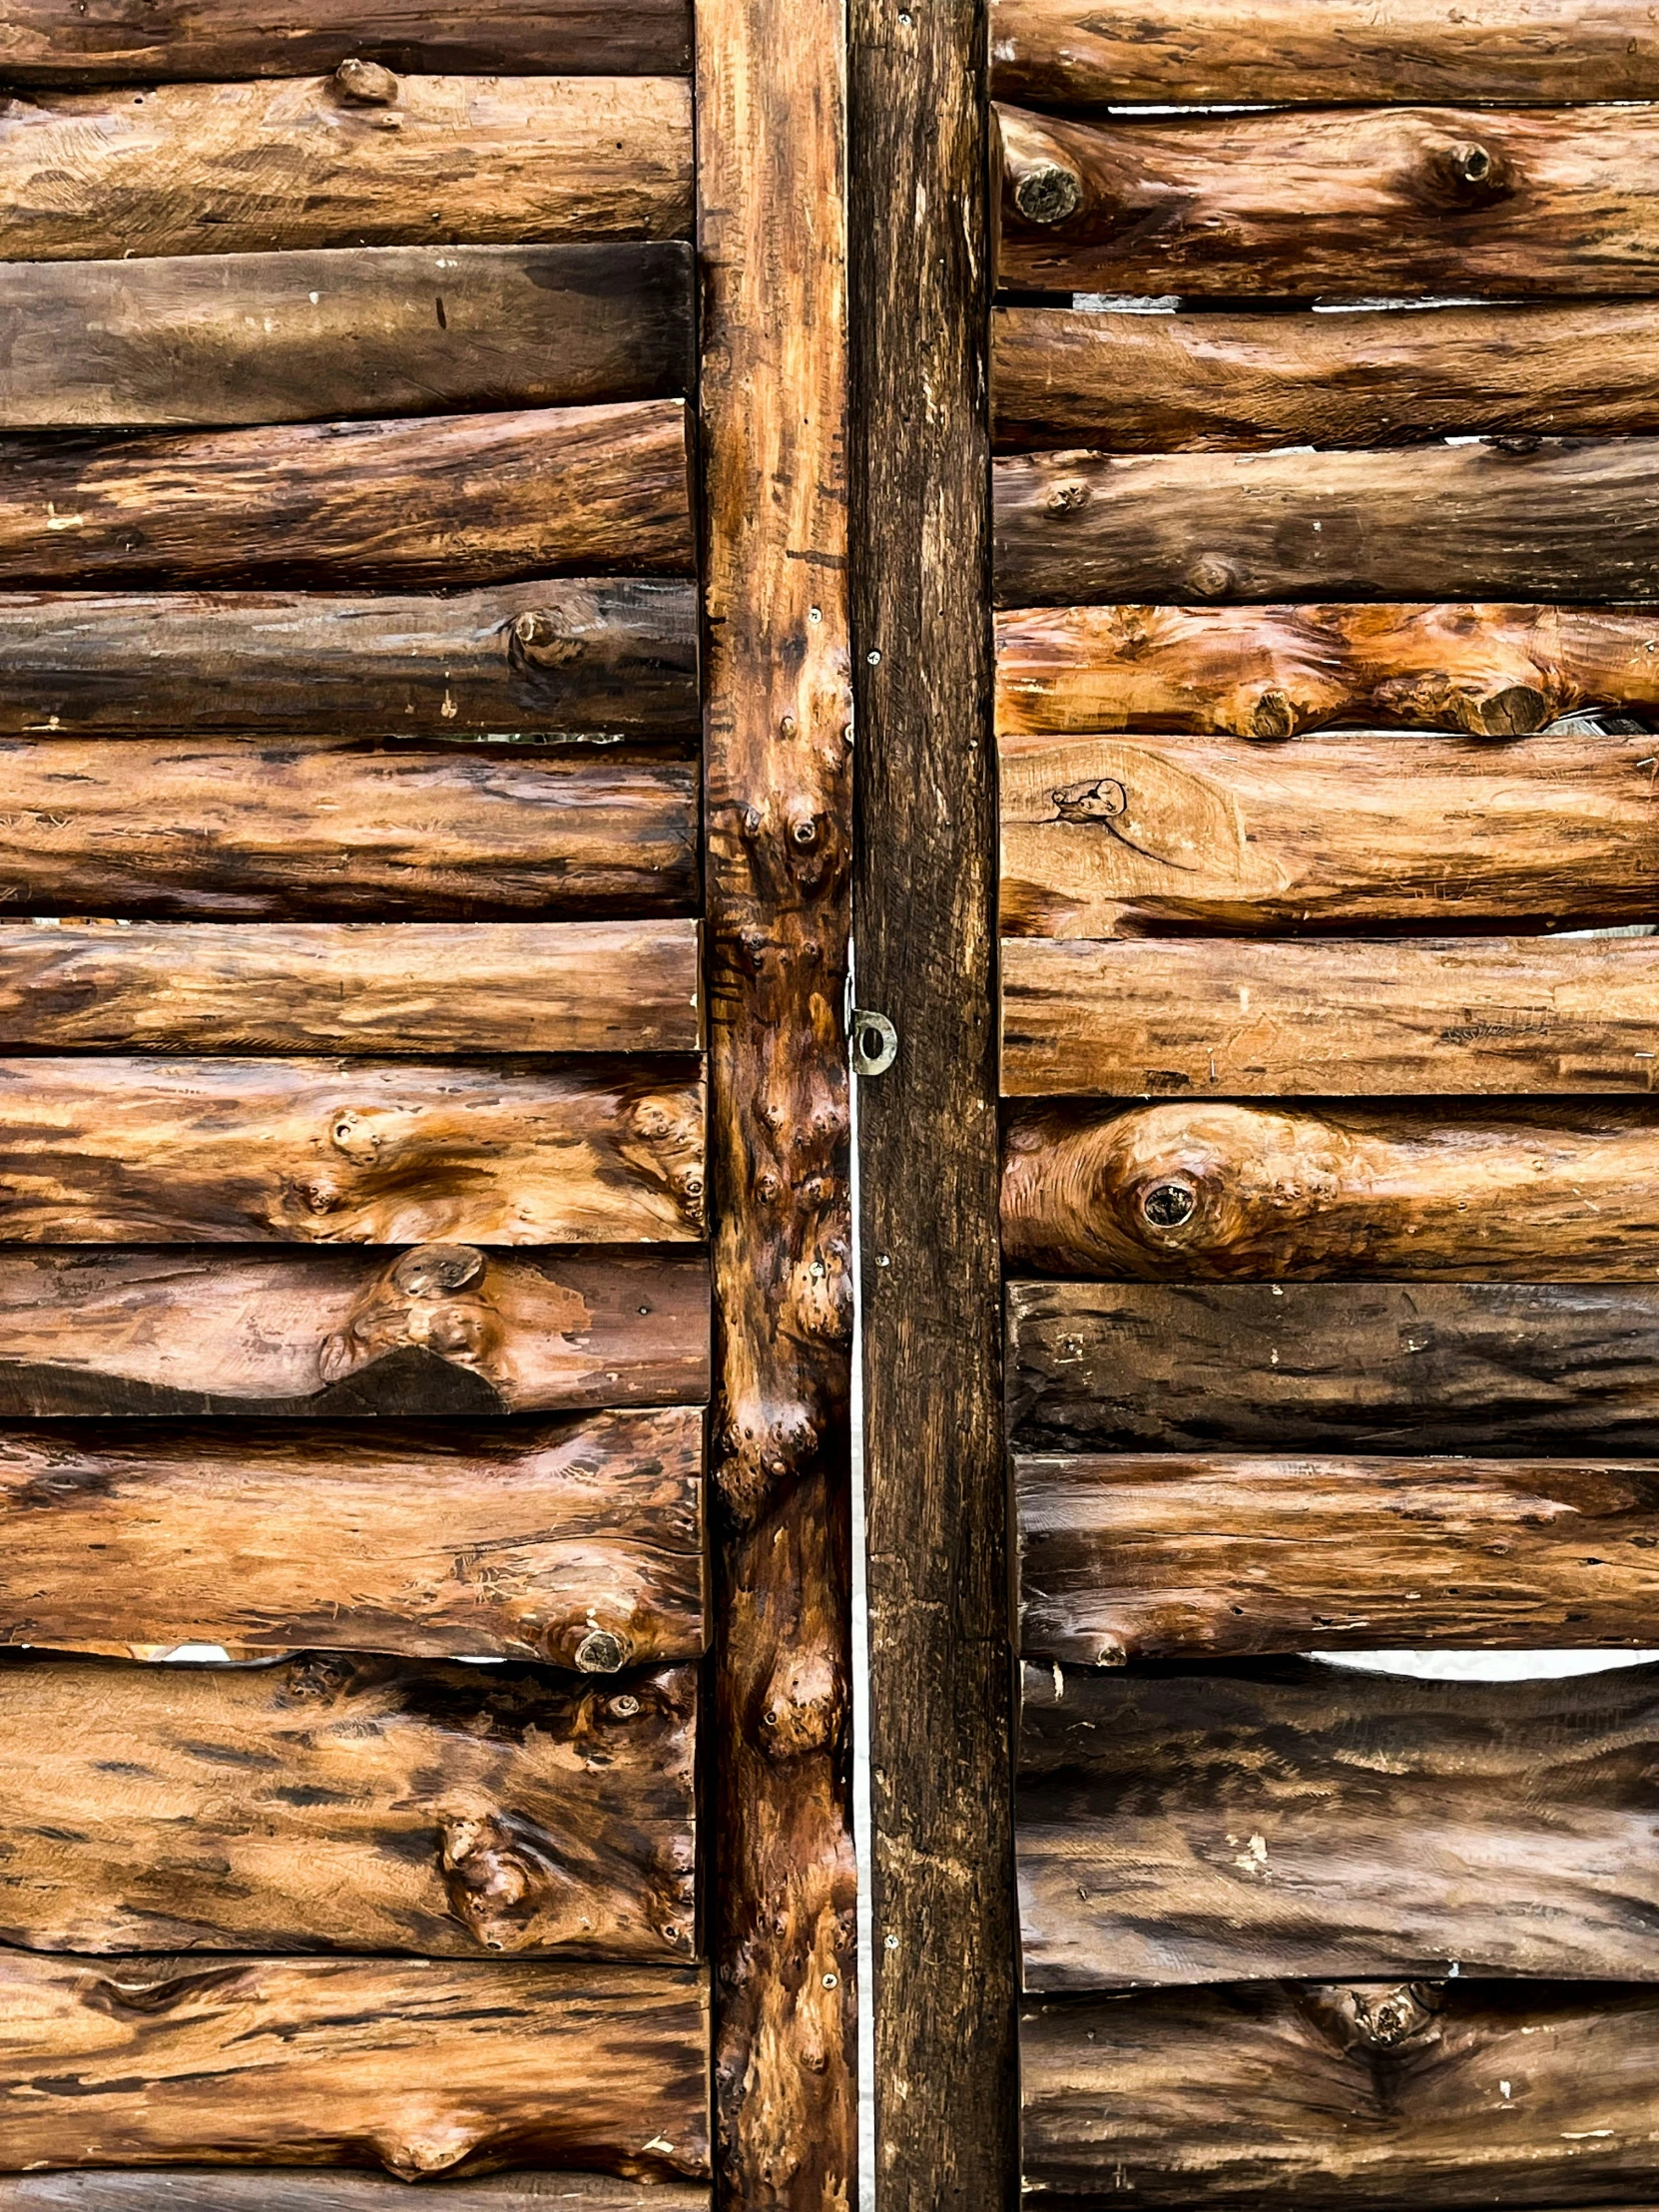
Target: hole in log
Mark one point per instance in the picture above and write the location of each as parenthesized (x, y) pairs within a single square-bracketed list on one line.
[(1168, 1204)]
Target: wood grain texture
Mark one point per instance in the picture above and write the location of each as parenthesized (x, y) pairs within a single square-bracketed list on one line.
[(441, 1329), (238, 829), (403, 987), (1527, 518), (1272, 671), (120, 1150), (612, 658), (304, 336), (1205, 1017), (415, 2065), (578, 1543), (1163, 1556), (1124, 837), (437, 501), (259, 166), (292, 2190)]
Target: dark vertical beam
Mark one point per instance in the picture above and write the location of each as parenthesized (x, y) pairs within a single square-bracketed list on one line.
[(926, 940)]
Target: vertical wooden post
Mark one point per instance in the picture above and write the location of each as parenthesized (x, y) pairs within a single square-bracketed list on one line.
[(771, 94), (927, 939)]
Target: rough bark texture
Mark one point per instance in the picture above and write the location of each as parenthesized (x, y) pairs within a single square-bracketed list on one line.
[(418, 2066), (249, 168), (580, 1543), (290, 2189), (1122, 836), (438, 500), (300, 337)]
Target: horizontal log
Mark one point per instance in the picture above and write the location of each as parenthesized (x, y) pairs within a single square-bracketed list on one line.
[(446, 499), (594, 657), (1218, 1192), (1205, 1017), (292, 2190), (420, 2066), (572, 988), (1272, 671), (304, 336), (251, 829), (441, 1329), (255, 167), (576, 1542), (119, 1150), (1529, 518)]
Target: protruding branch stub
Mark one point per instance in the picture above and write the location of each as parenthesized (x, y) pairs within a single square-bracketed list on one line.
[(1044, 185), (366, 84)]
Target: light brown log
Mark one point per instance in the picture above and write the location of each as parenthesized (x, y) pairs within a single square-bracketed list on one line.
[(251, 167), (1120, 837), (245, 831), (443, 1329), (447, 499), (1206, 1017), (112, 1151), (1220, 1193), (423, 2068), (292, 2190), (304, 336), (594, 986), (1272, 671), (575, 1542)]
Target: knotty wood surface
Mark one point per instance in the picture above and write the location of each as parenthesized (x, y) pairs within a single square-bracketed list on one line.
[(290, 2189), (420, 2066), (253, 166), (437, 501), (518, 1541), (302, 336)]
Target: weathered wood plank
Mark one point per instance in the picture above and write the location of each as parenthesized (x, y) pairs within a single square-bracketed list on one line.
[(442, 499), (310, 162), (1205, 1017), (576, 1542), (262, 830), (1272, 671), (401, 986), (592, 657), (292, 2190), (1528, 518), (1214, 1192), (302, 336), (1166, 1556), (420, 2066), (1119, 836), (445, 1329)]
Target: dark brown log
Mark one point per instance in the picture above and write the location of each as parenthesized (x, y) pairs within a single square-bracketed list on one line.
[(1166, 1558), (420, 2066), (445, 1329), (112, 1151), (335, 828), (595, 987), (253, 167), (300, 337), (1218, 1192), (447, 499), (1270, 672), (290, 2189), (577, 1542), (600, 658), (1123, 837), (1349, 203), (1210, 1018), (1542, 518)]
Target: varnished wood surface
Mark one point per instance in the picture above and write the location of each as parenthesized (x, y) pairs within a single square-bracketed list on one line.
[(302, 336), (418, 2066), (441, 1329), (120, 1150), (1167, 1556), (293, 2190), (576, 1542), (437, 500), (403, 987), (255, 167), (1205, 1017), (1122, 836), (238, 829)]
